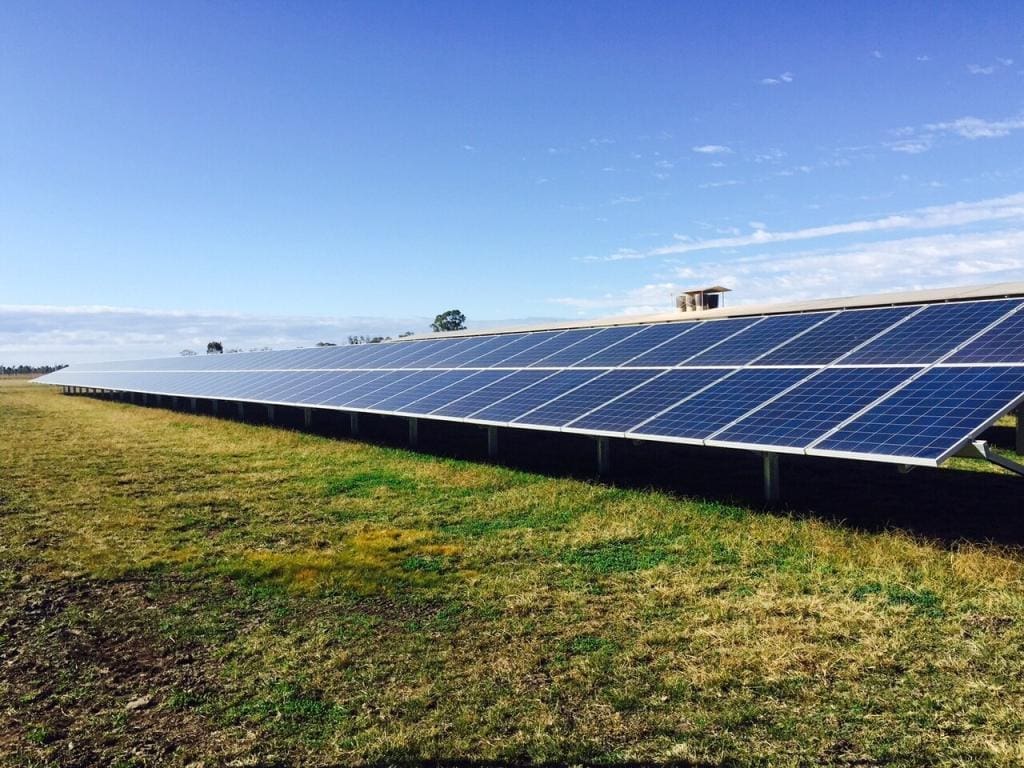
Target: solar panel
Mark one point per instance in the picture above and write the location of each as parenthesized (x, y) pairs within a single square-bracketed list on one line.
[(648, 338), (802, 415), (685, 346), (1002, 344), (930, 417), (577, 354), (520, 342), (438, 382), (758, 339), (548, 388), (484, 396), (708, 411), (635, 406), (836, 336), (585, 398), (430, 399), (534, 355), (937, 330)]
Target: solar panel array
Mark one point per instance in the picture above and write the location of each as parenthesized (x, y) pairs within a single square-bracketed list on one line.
[(909, 384)]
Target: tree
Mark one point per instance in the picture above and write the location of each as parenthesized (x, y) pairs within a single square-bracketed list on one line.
[(326, 344), (403, 334), (187, 353), (367, 339), (452, 320), (215, 348)]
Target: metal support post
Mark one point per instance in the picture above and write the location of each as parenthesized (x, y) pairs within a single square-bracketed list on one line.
[(214, 406), (145, 399), (604, 456), (307, 417), (1019, 443), (270, 414), (174, 402), (492, 443), (192, 405), (770, 464), (414, 432), (353, 424), (241, 411)]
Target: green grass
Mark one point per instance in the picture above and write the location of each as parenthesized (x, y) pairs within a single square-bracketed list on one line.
[(176, 589)]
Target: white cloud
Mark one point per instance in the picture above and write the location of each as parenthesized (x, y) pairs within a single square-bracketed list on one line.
[(713, 149), (977, 69), (723, 183), (977, 128), (785, 77), (50, 334), (999, 209), (927, 261), (877, 54), (924, 57)]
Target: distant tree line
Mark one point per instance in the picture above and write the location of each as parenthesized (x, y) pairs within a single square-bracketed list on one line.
[(28, 370), (370, 339)]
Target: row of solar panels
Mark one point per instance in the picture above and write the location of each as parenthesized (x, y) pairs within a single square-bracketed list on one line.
[(910, 414), (904, 335), (907, 383)]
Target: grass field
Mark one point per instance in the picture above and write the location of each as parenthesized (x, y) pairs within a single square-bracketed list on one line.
[(176, 590)]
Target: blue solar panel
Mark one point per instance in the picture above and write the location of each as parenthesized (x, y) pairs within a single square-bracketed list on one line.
[(578, 352), (585, 398), (707, 412), (836, 337), (468, 352), (527, 399), (1002, 344), (484, 396), (685, 346), (933, 415), (933, 332), (439, 381), (398, 385), (649, 337), (332, 385), (431, 399), (805, 413), (357, 387), (534, 354), (756, 340), (634, 407), (519, 343)]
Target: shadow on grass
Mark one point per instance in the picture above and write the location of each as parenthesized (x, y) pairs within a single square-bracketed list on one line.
[(949, 505)]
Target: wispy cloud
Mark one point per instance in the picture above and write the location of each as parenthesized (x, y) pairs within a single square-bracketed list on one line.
[(978, 69), (910, 263), (785, 77), (976, 128), (914, 141), (713, 149), (999, 209), (876, 54)]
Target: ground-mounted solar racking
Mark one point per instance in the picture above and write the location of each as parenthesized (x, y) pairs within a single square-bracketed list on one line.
[(910, 379)]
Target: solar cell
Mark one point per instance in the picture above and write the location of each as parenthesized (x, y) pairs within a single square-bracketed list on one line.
[(685, 346), (802, 415), (585, 398), (932, 416), (632, 408), (1002, 344), (758, 339), (485, 396), (468, 352), (650, 336), (837, 336), (527, 399), (357, 386), (708, 411), (933, 332)]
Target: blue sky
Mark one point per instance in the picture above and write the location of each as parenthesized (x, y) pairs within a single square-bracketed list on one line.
[(273, 173)]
